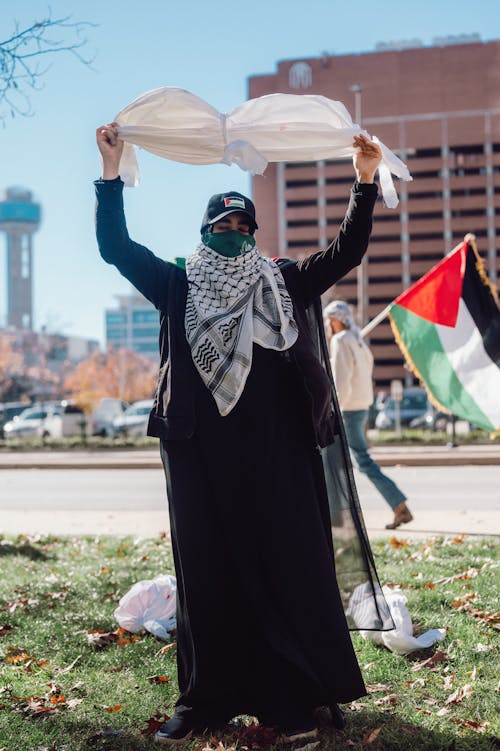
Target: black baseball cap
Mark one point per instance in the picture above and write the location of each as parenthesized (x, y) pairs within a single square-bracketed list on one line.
[(222, 204)]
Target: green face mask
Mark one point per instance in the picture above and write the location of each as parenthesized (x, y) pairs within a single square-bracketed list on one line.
[(229, 244)]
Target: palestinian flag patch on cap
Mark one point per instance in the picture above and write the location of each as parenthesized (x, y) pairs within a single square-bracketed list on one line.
[(232, 202)]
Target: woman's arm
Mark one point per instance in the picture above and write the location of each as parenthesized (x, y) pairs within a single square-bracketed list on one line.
[(321, 270), (139, 265)]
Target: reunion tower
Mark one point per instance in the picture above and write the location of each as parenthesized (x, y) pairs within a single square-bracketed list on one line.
[(19, 219)]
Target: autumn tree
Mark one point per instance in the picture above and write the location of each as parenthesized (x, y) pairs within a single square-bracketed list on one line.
[(11, 366), (26, 54), (118, 373)]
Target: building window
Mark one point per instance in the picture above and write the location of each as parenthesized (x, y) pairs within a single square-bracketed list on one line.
[(301, 183), (145, 346), (119, 333), (116, 318), (300, 76), (145, 316), (145, 333)]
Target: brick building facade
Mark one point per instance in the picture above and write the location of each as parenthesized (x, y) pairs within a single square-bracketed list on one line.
[(438, 108)]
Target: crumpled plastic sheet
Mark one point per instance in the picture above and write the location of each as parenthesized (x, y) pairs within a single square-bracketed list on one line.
[(399, 640), (149, 604), (176, 124)]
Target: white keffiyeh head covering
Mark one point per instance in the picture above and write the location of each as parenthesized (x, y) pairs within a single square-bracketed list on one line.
[(232, 303), (342, 311)]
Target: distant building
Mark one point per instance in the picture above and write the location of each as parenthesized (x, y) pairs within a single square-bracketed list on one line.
[(134, 324), (438, 107), (19, 218)]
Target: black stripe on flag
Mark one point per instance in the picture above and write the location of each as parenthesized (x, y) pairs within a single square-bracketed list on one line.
[(482, 306)]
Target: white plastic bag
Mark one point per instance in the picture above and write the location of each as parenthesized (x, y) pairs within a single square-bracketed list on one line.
[(401, 640), (149, 604)]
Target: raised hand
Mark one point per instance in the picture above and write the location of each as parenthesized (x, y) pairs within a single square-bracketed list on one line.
[(366, 159), (111, 148)]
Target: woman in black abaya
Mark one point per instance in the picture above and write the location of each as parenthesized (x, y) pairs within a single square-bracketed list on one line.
[(242, 409)]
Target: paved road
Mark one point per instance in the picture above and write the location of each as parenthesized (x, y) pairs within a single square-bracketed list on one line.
[(125, 501)]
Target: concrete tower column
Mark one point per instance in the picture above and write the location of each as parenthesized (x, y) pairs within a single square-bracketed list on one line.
[(19, 219)]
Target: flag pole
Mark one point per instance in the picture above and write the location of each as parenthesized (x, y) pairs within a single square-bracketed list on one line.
[(375, 321)]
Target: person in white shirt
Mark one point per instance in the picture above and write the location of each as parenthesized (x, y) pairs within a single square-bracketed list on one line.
[(352, 366)]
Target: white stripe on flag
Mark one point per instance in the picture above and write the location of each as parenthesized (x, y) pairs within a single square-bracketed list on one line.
[(477, 373)]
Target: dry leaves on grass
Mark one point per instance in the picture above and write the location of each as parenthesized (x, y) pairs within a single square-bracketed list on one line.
[(432, 662), (113, 709), (155, 722), (121, 636), (398, 542), (460, 694), (5, 630), (157, 679), (19, 657)]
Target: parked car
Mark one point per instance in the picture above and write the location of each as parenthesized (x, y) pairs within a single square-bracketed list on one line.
[(432, 419), (101, 420), (8, 410), (37, 420), (47, 419), (415, 404), (134, 421)]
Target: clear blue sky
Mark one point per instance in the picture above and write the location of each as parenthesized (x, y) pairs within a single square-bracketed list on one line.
[(209, 48)]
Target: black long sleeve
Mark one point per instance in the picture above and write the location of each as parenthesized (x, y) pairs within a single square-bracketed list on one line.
[(148, 273)]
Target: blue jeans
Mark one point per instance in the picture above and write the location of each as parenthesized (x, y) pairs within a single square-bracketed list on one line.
[(355, 424)]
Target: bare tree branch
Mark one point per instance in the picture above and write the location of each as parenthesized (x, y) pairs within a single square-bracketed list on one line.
[(20, 68)]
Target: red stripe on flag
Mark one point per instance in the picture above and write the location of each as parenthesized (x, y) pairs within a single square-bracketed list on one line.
[(435, 297)]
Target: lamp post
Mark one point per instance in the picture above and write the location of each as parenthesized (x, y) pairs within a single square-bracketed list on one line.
[(357, 89)]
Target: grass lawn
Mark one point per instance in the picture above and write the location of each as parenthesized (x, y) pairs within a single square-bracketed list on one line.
[(59, 692)]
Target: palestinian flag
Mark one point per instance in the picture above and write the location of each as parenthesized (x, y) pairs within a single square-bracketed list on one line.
[(448, 328)]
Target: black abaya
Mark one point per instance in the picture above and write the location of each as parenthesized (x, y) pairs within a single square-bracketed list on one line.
[(261, 627)]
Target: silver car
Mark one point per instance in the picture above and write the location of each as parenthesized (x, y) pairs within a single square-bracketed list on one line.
[(134, 421)]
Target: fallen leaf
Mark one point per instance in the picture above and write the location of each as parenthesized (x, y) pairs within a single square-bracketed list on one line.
[(439, 656), (5, 630), (101, 639), (154, 723), (396, 542), (442, 712), (460, 694), (116, 708), (157, 679), (370, 737), (374, 687), (479, 727), (390, 699), (70, 667), (166, 648)]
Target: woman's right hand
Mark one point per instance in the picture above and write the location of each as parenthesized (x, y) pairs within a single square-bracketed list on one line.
[(111, 148)]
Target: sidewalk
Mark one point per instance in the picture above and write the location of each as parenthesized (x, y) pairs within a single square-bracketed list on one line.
[(386, 456)]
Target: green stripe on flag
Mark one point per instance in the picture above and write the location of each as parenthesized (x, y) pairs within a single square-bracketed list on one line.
[(424, 351)]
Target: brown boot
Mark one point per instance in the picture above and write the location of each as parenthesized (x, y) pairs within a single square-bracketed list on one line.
[(402, 515)]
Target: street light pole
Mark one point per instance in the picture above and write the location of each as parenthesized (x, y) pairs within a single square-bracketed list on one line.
[(357, 89)]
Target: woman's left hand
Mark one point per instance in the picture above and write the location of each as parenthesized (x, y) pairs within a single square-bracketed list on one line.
[(366, 159)]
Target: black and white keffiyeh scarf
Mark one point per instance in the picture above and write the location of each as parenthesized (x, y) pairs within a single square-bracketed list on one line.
[(232, 303)]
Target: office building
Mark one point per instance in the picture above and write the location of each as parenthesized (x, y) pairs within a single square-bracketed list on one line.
[(438, 108), (134, 325)]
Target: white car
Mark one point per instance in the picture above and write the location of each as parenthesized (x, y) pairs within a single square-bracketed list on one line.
[(46, 420), (104, 414), (134, 421)]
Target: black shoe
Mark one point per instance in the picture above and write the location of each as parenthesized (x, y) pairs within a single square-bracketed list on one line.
[(338, 717), (175, 730)]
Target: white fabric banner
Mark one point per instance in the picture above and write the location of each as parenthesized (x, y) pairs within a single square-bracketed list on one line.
[(177, 125)]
